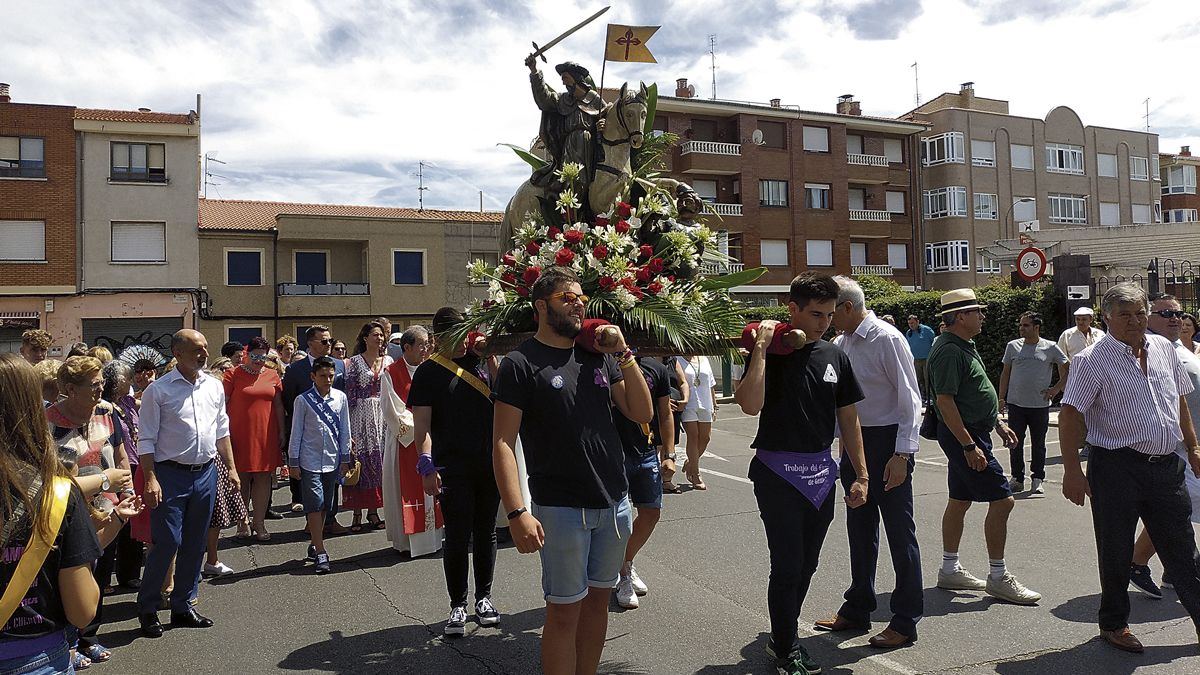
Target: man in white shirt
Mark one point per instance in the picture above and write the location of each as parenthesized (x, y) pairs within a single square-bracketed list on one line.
[(890, 416), (183, 427), (1082, 335)]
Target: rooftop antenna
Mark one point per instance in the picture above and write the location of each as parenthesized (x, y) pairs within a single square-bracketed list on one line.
[(1147, 102), (916, 83), (712, 53), (211, 157), (420, 185)]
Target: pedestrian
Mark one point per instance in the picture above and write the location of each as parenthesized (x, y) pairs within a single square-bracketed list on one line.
[(101, 354), (319, 451), (363, 381), (920, 340), (42, 510), (78, 349), (1125, 396), (967, 412), (184, 427), (451, 406), (561, 398), (412, 518), (118, 381), (145, 371), (889, 319), (1080, 336), (1025, 396), (35, 344), (253, 401), (1187, 333), (338, 352), (889, 415), (47, 370), (698, 413), (803, 396), (393, 350), (234, 351), (681, 393), (286, 347)]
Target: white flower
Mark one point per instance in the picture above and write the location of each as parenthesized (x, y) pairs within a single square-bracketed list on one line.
[(568, 200), (570, 173), (624, 298)]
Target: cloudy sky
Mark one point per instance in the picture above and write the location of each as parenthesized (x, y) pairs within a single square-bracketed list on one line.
[(338, 101)]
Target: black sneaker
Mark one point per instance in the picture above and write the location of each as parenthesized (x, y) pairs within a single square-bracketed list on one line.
[(485, 613), (796, 663), (1140, 577), (456, 626), (322, 563), (312, 553), (1166, 582)]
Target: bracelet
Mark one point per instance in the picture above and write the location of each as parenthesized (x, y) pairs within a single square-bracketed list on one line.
[(516, 512), (628, 363)]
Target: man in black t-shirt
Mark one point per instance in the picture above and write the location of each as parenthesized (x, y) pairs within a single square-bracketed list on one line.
[(803, 397), (561, 399), (450, 400)]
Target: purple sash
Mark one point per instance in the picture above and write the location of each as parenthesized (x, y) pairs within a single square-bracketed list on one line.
[(812, 473)]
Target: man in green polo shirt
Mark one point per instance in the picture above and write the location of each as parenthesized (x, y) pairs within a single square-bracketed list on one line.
[(967, 411)]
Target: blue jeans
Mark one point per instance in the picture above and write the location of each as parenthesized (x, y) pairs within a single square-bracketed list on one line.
[(53, 656), (584, 549), (179, 529)]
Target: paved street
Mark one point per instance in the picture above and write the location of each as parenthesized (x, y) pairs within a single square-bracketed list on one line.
[(707, 569)]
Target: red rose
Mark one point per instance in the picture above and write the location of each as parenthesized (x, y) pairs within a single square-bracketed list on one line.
[(655, 287), (573, 236), (601, 221), (608, 283), (488, 303), (563, 257), (600, 252), (671, 278), (645, 250), (637, 292), (508, 260), (628, 283), (532, 248), (644, 274), (523, 292), (624, 209), (656, 265), (621, 227), (553, 232), (531, 274), (509, 278)]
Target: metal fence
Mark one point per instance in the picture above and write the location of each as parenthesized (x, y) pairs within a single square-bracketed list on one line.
[(1180, 278)]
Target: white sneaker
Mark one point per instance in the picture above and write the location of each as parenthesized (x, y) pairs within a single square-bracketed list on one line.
[(218, 570), (1037, 487), (457, 623), (486, 613), (626, 597), (1009, 589), (639, 586), (960, 580)]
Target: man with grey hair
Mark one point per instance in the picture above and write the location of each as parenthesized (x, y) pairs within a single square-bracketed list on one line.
[(1125, 399), (890, 416)]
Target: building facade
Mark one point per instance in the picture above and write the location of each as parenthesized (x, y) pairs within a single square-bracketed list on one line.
[(1180, 203), (796, 190)]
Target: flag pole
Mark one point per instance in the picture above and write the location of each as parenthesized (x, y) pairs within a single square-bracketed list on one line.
[(603, 63)]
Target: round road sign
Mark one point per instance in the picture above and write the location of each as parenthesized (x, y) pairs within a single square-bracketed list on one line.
[(1031, 263)]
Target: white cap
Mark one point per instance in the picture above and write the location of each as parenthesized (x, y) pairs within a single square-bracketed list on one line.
[(397, 336), (1084, 311)]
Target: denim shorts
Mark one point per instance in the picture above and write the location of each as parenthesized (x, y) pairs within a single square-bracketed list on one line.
[(317, 490), (53, 657), (583, 548), (645, 484)]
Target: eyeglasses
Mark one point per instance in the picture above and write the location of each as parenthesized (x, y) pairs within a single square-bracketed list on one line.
[(258, 357), (1169, 313), (326, 341), (569, 297), (339, 349)]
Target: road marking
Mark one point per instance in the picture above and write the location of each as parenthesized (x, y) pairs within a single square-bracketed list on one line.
[(930, 462), (879, 659), (739, 479), (710, 453)]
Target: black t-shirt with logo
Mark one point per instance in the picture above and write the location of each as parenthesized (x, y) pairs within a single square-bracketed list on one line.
[(802, 393), (658, 380), (41, 612), (573, 452), (461, 422)]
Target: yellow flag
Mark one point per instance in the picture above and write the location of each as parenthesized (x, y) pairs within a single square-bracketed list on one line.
[(628, 43)]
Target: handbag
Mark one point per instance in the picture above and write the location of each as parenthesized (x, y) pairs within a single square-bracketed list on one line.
[(35, 551), (351, 479)]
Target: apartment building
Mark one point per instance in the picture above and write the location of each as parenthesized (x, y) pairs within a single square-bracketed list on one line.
[(1180, 203), (796, 190), (273, 268), (992, 182)]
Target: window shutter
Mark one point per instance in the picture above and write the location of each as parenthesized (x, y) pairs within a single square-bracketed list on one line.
[(157, 158), (139, 242), (22, 240), (10, 147)]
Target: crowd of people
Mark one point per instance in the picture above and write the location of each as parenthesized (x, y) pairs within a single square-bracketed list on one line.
[(133, 466)]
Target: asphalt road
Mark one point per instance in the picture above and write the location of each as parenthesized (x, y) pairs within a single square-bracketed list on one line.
[(380, 612)]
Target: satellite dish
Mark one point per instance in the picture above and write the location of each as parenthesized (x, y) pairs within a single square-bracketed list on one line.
[(691, 90), (757, 137)]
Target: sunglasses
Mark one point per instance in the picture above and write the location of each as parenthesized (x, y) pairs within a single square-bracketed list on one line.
[(569, 297), (326, 341), (339, 349), (1169, 313), (258, 358)]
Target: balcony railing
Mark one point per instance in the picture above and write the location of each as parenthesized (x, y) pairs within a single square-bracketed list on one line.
[(876, 216), (710, 148), (875, 270), (867, 160), (715, 269), (726, 209), (324, 289)]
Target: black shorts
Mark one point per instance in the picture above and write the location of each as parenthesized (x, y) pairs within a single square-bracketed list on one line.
[(967, 484)]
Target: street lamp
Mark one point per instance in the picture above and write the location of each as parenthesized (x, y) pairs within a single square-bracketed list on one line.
[(1004, 223)]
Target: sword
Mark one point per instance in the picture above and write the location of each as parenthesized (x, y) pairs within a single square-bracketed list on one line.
[(541, 51)]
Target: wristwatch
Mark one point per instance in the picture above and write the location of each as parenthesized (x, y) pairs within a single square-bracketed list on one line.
[(968, 447), (904, 455), (106, 483)]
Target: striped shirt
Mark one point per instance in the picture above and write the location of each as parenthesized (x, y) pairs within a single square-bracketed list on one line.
[(1121, 405)]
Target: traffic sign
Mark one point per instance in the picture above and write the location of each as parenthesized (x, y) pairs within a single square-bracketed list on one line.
[(1031, 263)]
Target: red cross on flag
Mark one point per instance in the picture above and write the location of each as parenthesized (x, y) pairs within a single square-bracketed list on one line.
[(628, 43)]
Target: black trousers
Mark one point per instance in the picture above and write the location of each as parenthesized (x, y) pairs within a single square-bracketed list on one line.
[(795, 532), (1128, 485), (895, 506), (1037, 421), (469, 503), (130, 555)]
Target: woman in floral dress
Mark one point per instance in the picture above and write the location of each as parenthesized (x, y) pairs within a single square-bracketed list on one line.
[(363, 379)]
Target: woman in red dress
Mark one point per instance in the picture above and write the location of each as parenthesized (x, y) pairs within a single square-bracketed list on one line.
[(253, 398)]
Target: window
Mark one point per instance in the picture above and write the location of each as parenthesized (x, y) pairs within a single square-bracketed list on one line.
[(243, 334), (734, 245), (816, 195), (944, 148), (1070, 209), (1023, 210), (1157, 211), (948, 256), (773, 252), (22, 157), (858, 199), (1061, 158), (854, 144), (243, 267), (1106, 165), (898, 256), (985, 206), (820, 253), (1139, 168), (22, 240), (816, 139), (408, 267), (1141, 214), (772, 193), (139, 162), (946, 202), (894, 149), (774, 134), (1110, 214), (895, 201), (491, 258), (1181, 216), (985, 265), (1180, 180), (858, 253), (1022, 156), (311, 267), (983, 153), (139, 242), (707, 189)]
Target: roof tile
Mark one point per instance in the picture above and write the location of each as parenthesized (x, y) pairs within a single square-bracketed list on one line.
[(237, 214), (101, 115)]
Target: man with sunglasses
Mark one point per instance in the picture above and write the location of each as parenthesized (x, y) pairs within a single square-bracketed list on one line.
[(1025, 394), (297, 379), (562, 399)]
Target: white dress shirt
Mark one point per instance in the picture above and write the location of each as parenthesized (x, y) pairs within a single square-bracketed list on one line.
[(1072, 341), (182, 421), (883, 366)]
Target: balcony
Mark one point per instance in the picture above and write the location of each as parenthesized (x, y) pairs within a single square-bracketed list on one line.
[(867, 160), (712, 148), (709, 157), (716, 269), (871, 169), (323, 289), (874, 216), (874, 270), (724, 209)]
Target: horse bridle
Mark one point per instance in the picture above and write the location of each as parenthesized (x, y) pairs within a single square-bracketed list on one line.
[(624, 127)]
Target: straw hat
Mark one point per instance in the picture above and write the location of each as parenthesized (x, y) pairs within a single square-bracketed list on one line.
[(958, 300)]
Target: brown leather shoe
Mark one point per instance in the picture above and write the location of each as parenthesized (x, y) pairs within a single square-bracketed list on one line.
[(890, 639), (1123, 639), (840, 623)]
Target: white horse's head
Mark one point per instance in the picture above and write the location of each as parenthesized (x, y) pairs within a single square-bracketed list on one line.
[(630, 112)]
